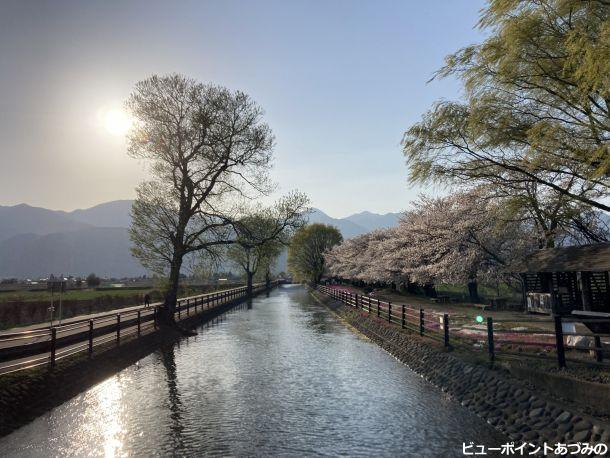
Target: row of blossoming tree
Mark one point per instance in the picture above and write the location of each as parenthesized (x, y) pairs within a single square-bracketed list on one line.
[(461, 239)]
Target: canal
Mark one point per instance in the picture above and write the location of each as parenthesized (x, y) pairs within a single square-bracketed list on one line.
[(283, 377)]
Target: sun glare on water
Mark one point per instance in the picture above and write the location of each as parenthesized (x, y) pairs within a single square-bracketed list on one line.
[(115, 121)]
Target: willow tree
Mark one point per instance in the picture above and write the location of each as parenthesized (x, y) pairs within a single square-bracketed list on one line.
[(307, 249), (263, 234), (207, 147), (536, 107)]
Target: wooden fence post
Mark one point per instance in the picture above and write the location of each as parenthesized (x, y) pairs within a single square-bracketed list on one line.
[(421, 322), (490, 339), (446, 329), (139, 321), (53, 345), (118, 327), (599, 351), (403, 319), (188, 307), (389, 312), (90, 337), (378, 313), (561, 355)]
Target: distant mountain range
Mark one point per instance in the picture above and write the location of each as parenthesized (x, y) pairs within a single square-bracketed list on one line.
[(356, 224), (35, 242)]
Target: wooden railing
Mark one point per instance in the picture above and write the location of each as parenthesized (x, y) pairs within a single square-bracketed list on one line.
[(46, 345), (520, 341)]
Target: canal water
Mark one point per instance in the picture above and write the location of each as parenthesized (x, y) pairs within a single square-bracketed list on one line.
[(283, 377)]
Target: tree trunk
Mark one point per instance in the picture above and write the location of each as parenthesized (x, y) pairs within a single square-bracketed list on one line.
[(318, 277), (429, 290), (268, 280), (411, 287), (473, 290), (171, 295), (250, 276)]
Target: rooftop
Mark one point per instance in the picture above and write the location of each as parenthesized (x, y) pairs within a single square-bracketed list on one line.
[(584, 258)]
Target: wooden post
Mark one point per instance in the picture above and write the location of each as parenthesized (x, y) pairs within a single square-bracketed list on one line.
[(188, 307), (389, 312), (561, 355), (90, 337), (118, 327), (356, 299), (490, 339), (421, 322), (403, 318), (599, 352), (446, 329), (139, 321), (53, 345), (378, 313)]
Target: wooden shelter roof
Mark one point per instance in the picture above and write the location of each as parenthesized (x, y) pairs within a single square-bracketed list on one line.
[(584, 258)]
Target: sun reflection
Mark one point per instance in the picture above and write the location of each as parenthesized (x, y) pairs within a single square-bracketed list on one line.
[(109, 396)]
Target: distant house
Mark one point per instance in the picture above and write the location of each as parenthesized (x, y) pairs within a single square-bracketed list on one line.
[(560, 280)]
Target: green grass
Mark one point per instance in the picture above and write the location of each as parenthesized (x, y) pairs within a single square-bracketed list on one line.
[(90, 294), (86, 294), (486, 292)]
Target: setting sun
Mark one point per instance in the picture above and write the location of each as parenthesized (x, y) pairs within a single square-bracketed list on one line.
[(115, 121)]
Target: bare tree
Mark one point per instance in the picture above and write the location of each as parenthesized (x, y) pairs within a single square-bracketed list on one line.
[(208, 147)]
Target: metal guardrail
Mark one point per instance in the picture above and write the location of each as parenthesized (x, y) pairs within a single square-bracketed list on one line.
[(487, 337), (27, 349)]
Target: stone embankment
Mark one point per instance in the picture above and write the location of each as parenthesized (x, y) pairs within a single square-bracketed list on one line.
[(507, 403)]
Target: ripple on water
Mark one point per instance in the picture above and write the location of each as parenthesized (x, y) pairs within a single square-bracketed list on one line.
[(282, 378)]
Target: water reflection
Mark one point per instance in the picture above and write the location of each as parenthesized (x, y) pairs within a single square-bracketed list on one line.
[(109, 408), (168, 359), (281, 376)]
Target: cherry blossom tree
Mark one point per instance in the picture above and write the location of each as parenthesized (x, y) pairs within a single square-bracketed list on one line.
[(459, 239)]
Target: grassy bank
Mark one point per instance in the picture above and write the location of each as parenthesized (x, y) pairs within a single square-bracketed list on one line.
[(25, 308), (78, 295)]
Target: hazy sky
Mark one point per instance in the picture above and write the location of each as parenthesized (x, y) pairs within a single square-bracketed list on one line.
[(340, 81)]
